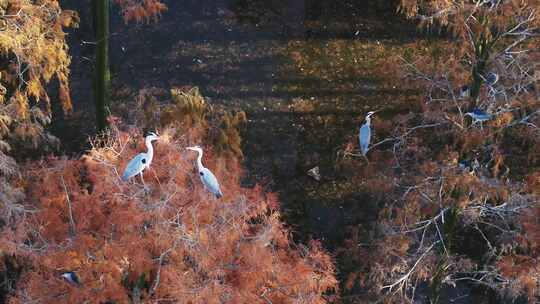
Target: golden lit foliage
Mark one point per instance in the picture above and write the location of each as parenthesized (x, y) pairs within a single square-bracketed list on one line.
[(187, 108), (172, 241), (228, 140), (34, 51), (141, 10)]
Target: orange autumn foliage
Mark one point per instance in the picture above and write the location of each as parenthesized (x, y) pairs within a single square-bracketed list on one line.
[(453, 14), (172, 241), (523, 265), (141, 10)]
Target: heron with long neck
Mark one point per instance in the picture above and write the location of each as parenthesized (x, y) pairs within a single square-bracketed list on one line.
[(208, 179), (142, 160), (364, 135)]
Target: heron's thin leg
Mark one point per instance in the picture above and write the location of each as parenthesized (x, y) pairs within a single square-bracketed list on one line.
[(481, 125), (155, 176), (142, 179)]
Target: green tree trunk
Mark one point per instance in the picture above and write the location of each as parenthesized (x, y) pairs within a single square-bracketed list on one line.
[(483, 46), (482, 49), (103, 75)]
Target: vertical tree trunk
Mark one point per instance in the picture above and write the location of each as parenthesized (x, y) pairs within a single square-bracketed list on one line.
[(103, 76), (482, 49), (482, 55)]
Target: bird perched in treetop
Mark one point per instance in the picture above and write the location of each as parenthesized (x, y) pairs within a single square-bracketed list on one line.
[(480, 116), (364, 136), (208, 179), (142, 160), (492, 78), (464, 91)]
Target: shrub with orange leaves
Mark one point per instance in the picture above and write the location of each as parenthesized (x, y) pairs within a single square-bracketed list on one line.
[(522, 264), (141, 10), (170, 241)]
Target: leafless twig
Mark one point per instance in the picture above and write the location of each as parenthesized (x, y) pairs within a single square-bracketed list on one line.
[(68, 200), (401, 282), (158, 274)]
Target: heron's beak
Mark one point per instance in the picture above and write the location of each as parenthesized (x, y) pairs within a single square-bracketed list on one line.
[(372, 112)]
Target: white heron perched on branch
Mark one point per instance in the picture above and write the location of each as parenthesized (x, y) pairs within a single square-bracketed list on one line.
[(365, 134), (142, 160), (208, 179)]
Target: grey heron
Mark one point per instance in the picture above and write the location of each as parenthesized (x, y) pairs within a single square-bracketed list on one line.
[(365, 134), (469, 166), (492, 78), (142, 160), (491, 3), (464, 92), (71, 277), (208, 179), (480, 116)]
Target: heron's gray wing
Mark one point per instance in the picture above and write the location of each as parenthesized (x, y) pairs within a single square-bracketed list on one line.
[(365, 138), (210, 182), (135, 166), (485, 116)]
